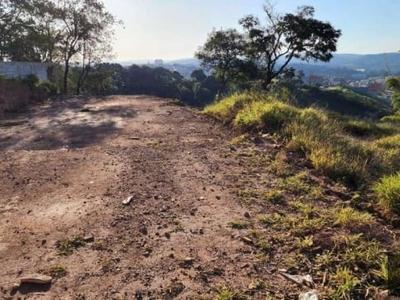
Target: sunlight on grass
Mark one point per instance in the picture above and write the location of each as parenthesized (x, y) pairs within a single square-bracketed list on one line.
[(388, 192)]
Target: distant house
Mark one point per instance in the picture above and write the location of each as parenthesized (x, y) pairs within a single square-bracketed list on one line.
[(375, 87), (15, 69)]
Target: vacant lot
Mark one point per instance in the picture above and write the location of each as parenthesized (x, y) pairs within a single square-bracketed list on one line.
[(65, 170)]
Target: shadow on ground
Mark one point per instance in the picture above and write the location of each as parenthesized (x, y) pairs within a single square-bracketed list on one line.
[(73, 123)]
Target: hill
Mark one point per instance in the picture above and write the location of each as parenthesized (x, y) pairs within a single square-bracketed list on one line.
[(136, 197)]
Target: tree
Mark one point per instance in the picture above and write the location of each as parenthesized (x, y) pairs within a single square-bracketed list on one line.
[(394, 84), (198, 75), (86, 28), (265, 51), (223, 53)]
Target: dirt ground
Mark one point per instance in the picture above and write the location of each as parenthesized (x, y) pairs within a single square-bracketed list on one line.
[(66, 168)]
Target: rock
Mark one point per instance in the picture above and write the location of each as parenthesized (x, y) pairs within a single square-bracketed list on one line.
[(246, 240), (127, 200), (36, 279), (167, 235), (247, 215), (88, 238), (311, 295)]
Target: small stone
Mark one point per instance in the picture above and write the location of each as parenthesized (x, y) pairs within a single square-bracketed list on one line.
[(246, 240), (247, 215), (167, 235), (127, 200), (88, 238), (143, 230)]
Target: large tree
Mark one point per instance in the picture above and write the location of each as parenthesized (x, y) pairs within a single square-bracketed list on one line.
[(86, 29), (265, 50), (56, 31)]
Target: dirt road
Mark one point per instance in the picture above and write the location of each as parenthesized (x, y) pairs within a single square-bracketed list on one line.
[(65, 170)]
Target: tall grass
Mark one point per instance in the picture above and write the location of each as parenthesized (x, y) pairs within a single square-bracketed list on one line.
[(353, 151), (388, 192)]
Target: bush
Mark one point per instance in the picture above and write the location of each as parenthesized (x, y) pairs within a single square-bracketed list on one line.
[(50, 88), (32, 81), (14, 95), (388, 192)]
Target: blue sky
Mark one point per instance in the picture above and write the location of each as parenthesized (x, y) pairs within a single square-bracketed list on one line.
[(171, 29)]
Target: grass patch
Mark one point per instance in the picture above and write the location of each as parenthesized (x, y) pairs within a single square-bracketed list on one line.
[(388, 192), (57, 271), (68, 245), (265, 115), (305, 225)]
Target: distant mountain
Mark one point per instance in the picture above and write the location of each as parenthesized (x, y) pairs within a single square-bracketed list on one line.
[(389, 62), (369, 62)]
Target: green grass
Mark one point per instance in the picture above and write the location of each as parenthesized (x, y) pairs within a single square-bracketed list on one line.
[(320, 224), (388, 192)]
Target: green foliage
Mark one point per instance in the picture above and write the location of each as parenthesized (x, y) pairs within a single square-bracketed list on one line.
[(394, 84), (388, 192), (49, 87), (255, 53), (32, 81)]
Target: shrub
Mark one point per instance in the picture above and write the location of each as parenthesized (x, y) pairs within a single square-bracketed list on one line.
[(50, 88), (388, 192), (13, 95), (32, 81)]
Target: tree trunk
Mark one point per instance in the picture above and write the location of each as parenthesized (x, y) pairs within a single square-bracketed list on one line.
[(82, 77), (66, 71)]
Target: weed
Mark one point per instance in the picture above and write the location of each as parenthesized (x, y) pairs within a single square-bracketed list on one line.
[(239, 224), (345, 283), (226, 294), (57, 271), (274, 196), (66, 246), (99, 245), (349, 217), (153, 143), (304, 243)]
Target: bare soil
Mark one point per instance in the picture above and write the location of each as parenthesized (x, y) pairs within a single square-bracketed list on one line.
[(65, 169)]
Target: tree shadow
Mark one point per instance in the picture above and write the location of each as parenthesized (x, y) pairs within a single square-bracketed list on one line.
[(70, 124)]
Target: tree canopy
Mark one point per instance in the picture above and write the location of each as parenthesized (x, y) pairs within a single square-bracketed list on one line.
[(263, 52), (56, 31)]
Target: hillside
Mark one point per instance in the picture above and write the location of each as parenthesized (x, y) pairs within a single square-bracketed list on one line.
[(134, 197)]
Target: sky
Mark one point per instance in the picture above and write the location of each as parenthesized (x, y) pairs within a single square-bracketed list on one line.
[(174, 29)]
